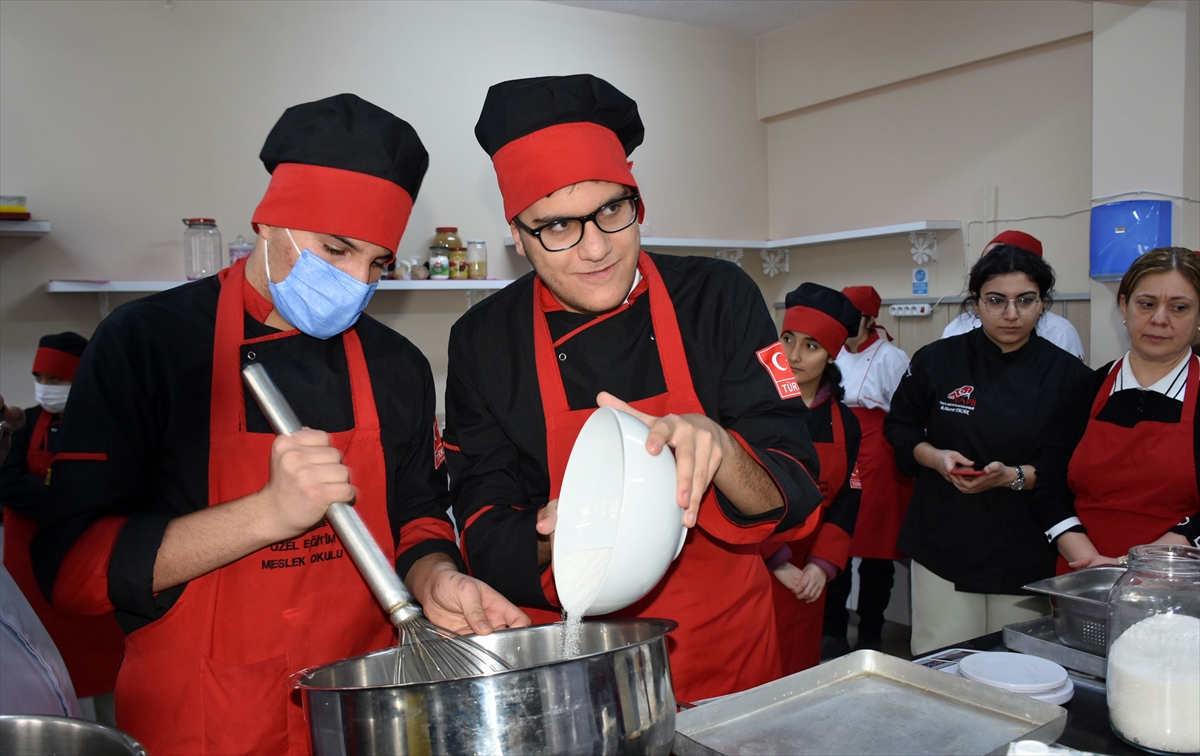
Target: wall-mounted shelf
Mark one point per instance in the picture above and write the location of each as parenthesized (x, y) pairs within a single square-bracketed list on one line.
[(26, 228), (104, 288), (659, 242)]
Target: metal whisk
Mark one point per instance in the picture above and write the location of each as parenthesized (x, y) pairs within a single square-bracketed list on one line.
[(426, 652)]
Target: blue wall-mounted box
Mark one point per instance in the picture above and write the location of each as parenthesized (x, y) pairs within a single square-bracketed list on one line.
[(1124, 231)]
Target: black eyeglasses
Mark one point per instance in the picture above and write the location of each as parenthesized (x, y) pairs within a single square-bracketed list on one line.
[(565, 233)]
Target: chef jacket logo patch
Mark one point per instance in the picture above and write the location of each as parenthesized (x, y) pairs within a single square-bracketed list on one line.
[(855, 479), (776, 363), (439, 449), (960, 401)]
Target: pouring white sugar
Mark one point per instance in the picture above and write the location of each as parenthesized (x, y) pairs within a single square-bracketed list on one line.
[(578, 576), (1154, 683)]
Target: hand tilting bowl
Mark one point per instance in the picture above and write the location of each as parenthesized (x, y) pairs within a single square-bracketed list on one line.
[(617, 515)]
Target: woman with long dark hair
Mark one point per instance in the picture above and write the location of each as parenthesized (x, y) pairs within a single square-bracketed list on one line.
[(966, 421)]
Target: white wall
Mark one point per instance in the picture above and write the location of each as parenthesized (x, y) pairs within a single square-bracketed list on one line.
[(1146, 127), (118, 118)]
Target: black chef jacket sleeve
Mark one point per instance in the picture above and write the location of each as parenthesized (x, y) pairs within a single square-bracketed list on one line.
[(771, 429), (491, 500), (21, 490), (904, 426), (1053, 500), (418, 496)]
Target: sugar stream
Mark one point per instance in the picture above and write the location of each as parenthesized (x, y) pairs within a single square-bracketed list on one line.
[(578, 576)]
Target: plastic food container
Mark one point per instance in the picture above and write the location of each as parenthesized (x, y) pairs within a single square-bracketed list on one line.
[(1018, 673)]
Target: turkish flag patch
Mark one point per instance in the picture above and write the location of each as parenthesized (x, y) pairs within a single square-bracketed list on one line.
[(776, 363), (855, 480), (439, 449)]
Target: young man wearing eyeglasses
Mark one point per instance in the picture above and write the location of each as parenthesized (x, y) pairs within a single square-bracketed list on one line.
[(686, 344)]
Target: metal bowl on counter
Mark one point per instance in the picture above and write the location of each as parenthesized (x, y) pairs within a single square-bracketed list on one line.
[(615, 696), (31, 735), (1080, 603)]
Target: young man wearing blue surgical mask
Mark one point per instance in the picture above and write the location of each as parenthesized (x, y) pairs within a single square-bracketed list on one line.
[(181, 509)]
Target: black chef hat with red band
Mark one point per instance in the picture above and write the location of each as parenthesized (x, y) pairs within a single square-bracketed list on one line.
[(345, 167), (554, 131), (58, 355), (825, 314)]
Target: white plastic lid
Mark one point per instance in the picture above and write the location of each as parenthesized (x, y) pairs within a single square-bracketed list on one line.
[(1019, 673), (1058, 696)]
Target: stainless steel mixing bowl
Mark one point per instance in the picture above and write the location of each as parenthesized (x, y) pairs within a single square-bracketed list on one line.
[(30, 735), (614, 697)]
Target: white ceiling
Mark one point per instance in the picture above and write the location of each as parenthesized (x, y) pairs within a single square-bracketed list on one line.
[(753, 18)]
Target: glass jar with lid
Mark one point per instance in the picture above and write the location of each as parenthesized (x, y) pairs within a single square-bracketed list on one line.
[(202, 252), (447, 236), (458, 263), (1154, 650), (476, 259)]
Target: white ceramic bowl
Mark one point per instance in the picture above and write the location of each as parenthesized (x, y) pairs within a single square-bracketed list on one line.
[(615, 495)]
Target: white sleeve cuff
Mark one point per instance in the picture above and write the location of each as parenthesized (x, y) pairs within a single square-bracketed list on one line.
[(1062, 527)]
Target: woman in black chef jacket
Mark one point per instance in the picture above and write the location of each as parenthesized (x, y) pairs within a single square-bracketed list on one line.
[(966, 421), (816, 324), (1119, 463)]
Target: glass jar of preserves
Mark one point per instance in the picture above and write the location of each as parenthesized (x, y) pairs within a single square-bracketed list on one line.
[(1154, 650), (458, 263), (202, 252), (476, 259), (447, 237)]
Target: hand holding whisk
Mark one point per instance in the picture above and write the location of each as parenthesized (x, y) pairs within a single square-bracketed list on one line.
[(427, 653)]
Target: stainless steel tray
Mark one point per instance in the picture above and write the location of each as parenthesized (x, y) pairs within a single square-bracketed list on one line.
[(1080, 603), (1037, 637), (866, 703)]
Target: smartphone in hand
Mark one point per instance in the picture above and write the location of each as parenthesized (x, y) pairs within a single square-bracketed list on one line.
[(968, 472)]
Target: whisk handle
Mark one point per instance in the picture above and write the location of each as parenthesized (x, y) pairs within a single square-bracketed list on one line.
[(377, 570)]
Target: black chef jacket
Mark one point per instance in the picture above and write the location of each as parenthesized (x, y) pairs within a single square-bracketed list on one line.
[(496, 431), (21, 490), (1053, 500), (964, 394), (141, 396)]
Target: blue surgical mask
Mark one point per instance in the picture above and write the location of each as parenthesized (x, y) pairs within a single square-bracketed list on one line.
[(316, 297)]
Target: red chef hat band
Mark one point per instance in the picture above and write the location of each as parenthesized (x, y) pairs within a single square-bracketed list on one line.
[(865, 298), (1018, 239), (335, 201), (545, 161), (57, 363), (827, 331)]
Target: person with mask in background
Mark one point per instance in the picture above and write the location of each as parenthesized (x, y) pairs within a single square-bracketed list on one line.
[(871, 369), (182, 510), (1053, 328), (91, 647)]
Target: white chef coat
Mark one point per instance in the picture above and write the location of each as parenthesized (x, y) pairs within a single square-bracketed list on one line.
[(1053, 328), (871, 376)]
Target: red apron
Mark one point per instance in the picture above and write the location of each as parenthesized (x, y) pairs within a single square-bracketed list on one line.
[(91, 647), (1132, 485), (799, 623), (885, 492), (210, 676), (717, 592)]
